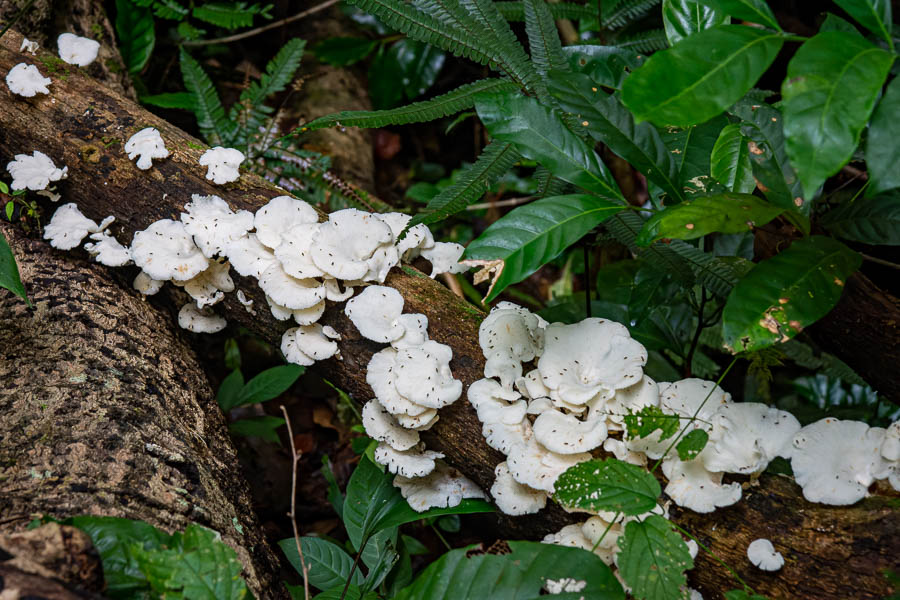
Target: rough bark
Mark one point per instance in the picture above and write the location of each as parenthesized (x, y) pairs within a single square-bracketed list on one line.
[(104, 410), (70, 127)]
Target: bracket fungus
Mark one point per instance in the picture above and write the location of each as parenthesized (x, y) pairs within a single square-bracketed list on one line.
[(77, 50), (34, 172), (514, 498), (68, 227), (106, 250), (200, 320), (376, 313), (279, 216), (222, 164), (444, 487), (26, 80), (306, 344), (166, 251), (213, 224), (144, 146), (414, 462), (763, 555)]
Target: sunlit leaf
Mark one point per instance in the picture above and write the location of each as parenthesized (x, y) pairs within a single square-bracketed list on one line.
[(683, 18)]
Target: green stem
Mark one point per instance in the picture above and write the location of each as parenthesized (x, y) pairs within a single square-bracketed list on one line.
[(718, 559)]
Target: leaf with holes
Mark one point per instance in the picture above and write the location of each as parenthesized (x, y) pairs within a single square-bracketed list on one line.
[(534, 234), (867, 220), (723, 213), (692, 444), (684, 18), (608, 484), (786, 293), (650, 418), (730, 161), (653, 559)]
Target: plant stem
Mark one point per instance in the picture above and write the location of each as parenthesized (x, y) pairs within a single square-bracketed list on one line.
[(587, 282), (251, 32), (880, 261), (734, 574), (441, 537), (295, 461), (689, 359), (353, 568)]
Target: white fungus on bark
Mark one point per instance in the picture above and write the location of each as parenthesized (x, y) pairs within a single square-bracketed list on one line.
[(380, 425), (306, 344), (222, 164), (144, 146), (77, 50), (106, 250), (213, 224), (414, 462), (200, 320), (279, 216), (166, 251), (28, 46), (34, 172), (763, 555), (444, 487), (513, 498), (68, 227), (26, 80), (345, 245), (376, 313)]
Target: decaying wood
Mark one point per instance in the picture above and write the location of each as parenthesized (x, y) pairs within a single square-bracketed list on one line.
[(82, 125), (104, 410)]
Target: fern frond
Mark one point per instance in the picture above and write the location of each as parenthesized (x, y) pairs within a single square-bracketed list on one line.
[(543, 38), (495, 160), (711, 272), (515, 11), (211, 119), (644, 42), (439, 10), (230, 15), (279, 73), (169, 9), (548, 185), (624, 12), (625, 227), (830, 365), (444, 105)]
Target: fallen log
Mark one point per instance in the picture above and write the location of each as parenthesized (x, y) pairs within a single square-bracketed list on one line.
[(83, 126)]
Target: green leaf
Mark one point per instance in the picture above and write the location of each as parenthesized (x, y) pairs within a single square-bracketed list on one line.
[(134, 28), (262, 427), (343, 51), (653, 559), (279, 73), (203, 567), (692, 444), (743, 595), (230, 390), (608, 484), (10, 208), (701, 76), (337, 593), (730, 162), (867, 220), (606, 65), (532, 235), (4, 188), (832, 83), (835, 23), (465, 574), (230, 15), (786, 293), (9, 271), (723, 213), (208, 107), (538, 133), (515, 11), (438, 107), (608, 122), (183, 100), (269, 384), (684, 18), (883, 142), (335, 497), (642, 424), (874, 15), (691, 148), (543, 38), (753, 11), (327, 563), (403, 513)]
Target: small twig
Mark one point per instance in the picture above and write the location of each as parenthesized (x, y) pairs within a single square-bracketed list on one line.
[(353, 568), (251, 32), (441, 537), (453, 284), (295, 461), (880, 261), (507, 202)]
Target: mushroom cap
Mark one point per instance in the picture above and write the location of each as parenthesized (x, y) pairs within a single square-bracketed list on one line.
[(293, 251), (222, 164), (376, 313), (279, 216), (565, 434), (503, 436), (77, 50), (415, 331), (692, 486), (306, 344), (146, 284), (28, 46), (688, 396), (626, 400), (486, 396), (746, 436), (213, 224), (343, 245), (835, 461), (208, 287), (165, 250), (68, 227), (513, 498), (763, 555), (288, 291), (444, 487), (595, 356), (146, 145), (382, 426), (512, 331), (415, 462), (620, 450), (444, 258), (106, 250), (420, 422), (333, 290), (422, 375), (532, 386), (533, 465), (380, 377), (385, 258), (26, 80), (417, 238), (34, 172), (249, 257), (200, 320), (570, 535), (890, 448)]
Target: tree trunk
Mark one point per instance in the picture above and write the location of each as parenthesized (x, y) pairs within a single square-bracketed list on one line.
[(79, 124)]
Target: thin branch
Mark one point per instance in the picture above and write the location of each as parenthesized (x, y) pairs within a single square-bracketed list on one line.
[(251, 32), (507, 202), (689, 360), (353, 568), (880, 261), (295, 461)]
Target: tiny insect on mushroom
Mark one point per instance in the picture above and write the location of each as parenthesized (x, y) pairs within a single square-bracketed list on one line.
[(26, 80), (380, 425), (77, 50), (146, 145), (306, 344)]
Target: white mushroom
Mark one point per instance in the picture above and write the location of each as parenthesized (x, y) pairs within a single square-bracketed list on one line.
[(380, 375), (890, 448), (288, 291), (76, 50), (416, 239), (421, 422), (213, 224), (302, 316), (333, 290), (344, 245), (210, 285), (626, 400), (692, 486), (486, 396), (28, 46), (376, 313), (565, 434), (249, 257), (422, 375), (146, 284), (621, 452), (165, 250), (513, 498), (106, 250), (763, 555), (415, 331), (533, 465), (146, 145), (293, 251), (503, 436), (306, 344), (200, 320), (444, 487), (746, 436), (222, 164), (415, 462), (382, 426), (68, 227), (279, 216), (508, 336), (34, 172), (26, 80), (570, 535), (444, 258)]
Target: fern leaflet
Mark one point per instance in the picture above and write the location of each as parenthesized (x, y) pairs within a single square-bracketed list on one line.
[(624, 12), (230, 15), (625, 227), (515, 11), (543, 39), (645, 41), (211, 118), (444, 105), (711, 272), (279, 73)]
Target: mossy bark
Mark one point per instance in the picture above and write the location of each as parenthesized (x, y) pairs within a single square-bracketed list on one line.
[(83, 126)]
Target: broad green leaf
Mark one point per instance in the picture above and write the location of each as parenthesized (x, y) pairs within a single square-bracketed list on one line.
[(335, 496), (786, 293), (607, 121), (832, 83), (730, 160), (134, 28), (343, 51), (684, 18), (532, 235), (338, 592), (463, 574), (402, 513), (701, 76), (10, 206), (408, 68), (203, 567), (653, 559), (606, 65), (327, 563), (230, 390), (833, 22), (874, 15), (538, 133), (262, 427), (9, 271), (722, 213), (754, 11), (883, 142), (269, 384), (691, 149), (867, 220), (692, 444), (183, 100), (650, 418), (608, 484)]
